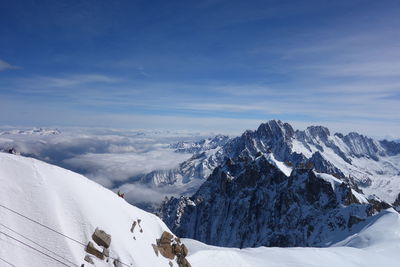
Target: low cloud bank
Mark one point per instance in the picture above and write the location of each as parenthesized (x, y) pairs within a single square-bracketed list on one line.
[(116, 167), (104, 155)]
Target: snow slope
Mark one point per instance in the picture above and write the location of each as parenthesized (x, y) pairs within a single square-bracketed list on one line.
[(376, 244), (74, 206)]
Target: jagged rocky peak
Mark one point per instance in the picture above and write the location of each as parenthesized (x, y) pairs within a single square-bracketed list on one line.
[(314, 135), (270, 137), (276, 129), (361, 146), (320, 132)]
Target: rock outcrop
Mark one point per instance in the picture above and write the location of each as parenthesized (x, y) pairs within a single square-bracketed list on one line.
[(101, 238), (103, 241), (90, 248), (171, 247)]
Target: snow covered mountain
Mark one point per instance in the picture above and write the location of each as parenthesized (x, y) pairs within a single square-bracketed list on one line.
[(48, 216), (250, 203), (202, 145), (274, 186), (33, 131), (372, 166), (369, 164), (190, 174)]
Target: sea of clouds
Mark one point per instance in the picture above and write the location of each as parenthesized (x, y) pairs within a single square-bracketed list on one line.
[(109, 157)]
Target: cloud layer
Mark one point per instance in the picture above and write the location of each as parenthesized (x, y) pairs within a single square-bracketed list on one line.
[(105, 156)]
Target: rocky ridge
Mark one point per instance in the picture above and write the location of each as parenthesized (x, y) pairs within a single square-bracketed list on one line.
[(249, 202)]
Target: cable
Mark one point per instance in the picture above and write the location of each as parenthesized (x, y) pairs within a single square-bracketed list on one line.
[(9, 263), (57, 232), (32, 220), (41, 252), (37, 244)]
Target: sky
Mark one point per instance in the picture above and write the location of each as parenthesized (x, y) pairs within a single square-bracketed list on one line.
[(213, 65)]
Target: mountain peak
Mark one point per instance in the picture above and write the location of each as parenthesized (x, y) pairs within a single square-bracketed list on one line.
[(276, 128), (318, 131)]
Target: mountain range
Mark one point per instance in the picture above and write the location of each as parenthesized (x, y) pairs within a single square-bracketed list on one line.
[(277, 186), (369, 165)]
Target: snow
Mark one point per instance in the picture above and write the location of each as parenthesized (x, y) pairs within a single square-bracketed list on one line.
[(381, 177), (360, 197), (279, 164), (375, 245), (329, 178), (299, 148), (75, 206)]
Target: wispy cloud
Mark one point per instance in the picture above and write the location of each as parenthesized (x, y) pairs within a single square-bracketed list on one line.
[(7, 66), (211, 107), (379, 69), (71, 81)]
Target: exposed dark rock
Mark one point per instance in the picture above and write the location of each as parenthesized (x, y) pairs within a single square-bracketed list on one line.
[(183, 262), (133, 226), (106, 252), (184, 250), (320, 164), (396, 203), (101, 238), (376, 206), (354, 220), (94, 251), (166, 250), (155, 248), (177, 249), (348, 197), (88, 259), (117, 263), (169, 247), (166, 238), (13, 151)]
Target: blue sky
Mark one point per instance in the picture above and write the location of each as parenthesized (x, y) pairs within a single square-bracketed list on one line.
[(221, 66)]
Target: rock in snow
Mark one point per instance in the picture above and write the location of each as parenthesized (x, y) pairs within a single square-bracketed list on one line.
[(101, 238)]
